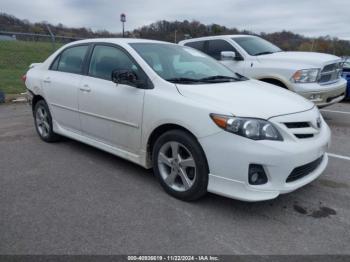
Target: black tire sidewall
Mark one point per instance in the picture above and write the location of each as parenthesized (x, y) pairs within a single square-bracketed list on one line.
[(199, 188)]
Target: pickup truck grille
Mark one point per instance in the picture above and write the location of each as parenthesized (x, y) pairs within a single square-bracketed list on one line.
[(330, 73)]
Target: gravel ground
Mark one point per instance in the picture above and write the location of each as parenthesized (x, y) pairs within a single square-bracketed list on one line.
[(69, 198)]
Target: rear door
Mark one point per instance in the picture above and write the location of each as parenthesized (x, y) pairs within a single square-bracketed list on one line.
[(61, 84)]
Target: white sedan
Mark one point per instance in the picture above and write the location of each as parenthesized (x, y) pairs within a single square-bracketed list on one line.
[(202, 127)]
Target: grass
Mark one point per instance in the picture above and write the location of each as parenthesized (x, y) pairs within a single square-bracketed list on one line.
[(15, 58)]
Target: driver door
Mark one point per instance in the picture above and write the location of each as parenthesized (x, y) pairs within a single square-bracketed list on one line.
[(111, 113)]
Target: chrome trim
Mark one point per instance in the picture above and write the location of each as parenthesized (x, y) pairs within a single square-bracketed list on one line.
[(98, 116), (329, 82), (110, 119), (333, 71), (64, 107)]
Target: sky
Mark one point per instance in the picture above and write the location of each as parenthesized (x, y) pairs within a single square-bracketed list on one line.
[(306, 17)]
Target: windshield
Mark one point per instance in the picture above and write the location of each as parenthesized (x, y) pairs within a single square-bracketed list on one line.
[(256, 46), (180, 64)]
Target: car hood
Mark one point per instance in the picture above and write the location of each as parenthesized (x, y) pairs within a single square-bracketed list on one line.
[(313, 59), (249, 98)]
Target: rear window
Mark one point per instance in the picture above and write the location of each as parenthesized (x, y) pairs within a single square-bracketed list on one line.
[(71, 60), (196, 45)]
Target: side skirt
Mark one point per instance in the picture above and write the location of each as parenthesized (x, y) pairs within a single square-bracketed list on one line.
[(137, 159)]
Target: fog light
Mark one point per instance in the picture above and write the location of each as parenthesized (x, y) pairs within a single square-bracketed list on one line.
[(256, 175), (315, 97)]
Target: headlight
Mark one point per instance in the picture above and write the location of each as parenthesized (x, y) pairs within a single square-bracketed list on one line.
[(256, 129), (306, 75)]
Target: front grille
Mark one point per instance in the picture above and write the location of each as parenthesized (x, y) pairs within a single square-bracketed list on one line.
[(330, 73), (330, 67), (297, 124), (302, 171), (326, 78), (304, 135)]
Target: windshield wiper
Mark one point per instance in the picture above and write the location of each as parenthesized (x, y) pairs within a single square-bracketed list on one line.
[(210, 79), (220, 78), (183, 80), (264, 53)]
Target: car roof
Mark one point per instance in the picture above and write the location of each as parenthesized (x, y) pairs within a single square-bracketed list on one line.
[(117, 41), (214, 37)]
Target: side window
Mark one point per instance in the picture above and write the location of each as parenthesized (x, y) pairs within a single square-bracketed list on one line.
[(54, 65), (71, 60), (215, 47), (106, 59), (197, 45)]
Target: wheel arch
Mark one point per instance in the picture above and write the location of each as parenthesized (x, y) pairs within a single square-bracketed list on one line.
[(275, 81), (158, 131), (35, 100)]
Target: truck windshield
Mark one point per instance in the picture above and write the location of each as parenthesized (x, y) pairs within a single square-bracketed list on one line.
[(256, 46), (185, 65)]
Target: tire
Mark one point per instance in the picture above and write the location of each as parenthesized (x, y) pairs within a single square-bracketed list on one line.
[(43, 122), (185, 176)]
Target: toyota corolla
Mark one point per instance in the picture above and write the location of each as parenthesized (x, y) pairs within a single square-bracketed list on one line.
[(200, 126)]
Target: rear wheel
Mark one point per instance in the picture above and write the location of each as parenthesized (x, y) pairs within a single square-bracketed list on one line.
[(43, 122), (180, 165)]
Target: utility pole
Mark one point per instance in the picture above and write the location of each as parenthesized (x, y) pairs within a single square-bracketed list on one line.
[(123, 20), (312, 46), (52, 36)]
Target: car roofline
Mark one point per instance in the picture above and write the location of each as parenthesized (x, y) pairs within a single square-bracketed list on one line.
[(214, 37), (120, 41)]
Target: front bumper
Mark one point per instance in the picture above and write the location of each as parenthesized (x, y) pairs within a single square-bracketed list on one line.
[(229, 157), (325, 94)]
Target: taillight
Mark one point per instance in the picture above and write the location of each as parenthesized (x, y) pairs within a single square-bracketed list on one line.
[(24, 78)]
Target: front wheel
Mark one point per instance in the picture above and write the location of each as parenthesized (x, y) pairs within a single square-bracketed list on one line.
[(43, 122), (180, 165)]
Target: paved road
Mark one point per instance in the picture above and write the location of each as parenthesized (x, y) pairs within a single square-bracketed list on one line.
[(69, 198)]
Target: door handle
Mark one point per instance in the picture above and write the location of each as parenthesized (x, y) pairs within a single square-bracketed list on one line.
[(85, 88), (47, 80)]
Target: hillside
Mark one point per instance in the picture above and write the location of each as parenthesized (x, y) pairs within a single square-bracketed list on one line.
[(14, 24), (15, 57), (165, 30)]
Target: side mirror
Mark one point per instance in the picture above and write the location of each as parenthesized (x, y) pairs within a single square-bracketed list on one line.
[(125, 77), (228, 55)]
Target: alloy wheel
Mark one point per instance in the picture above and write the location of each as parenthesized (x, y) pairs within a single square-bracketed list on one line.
[(42, 121), (177, 166)]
